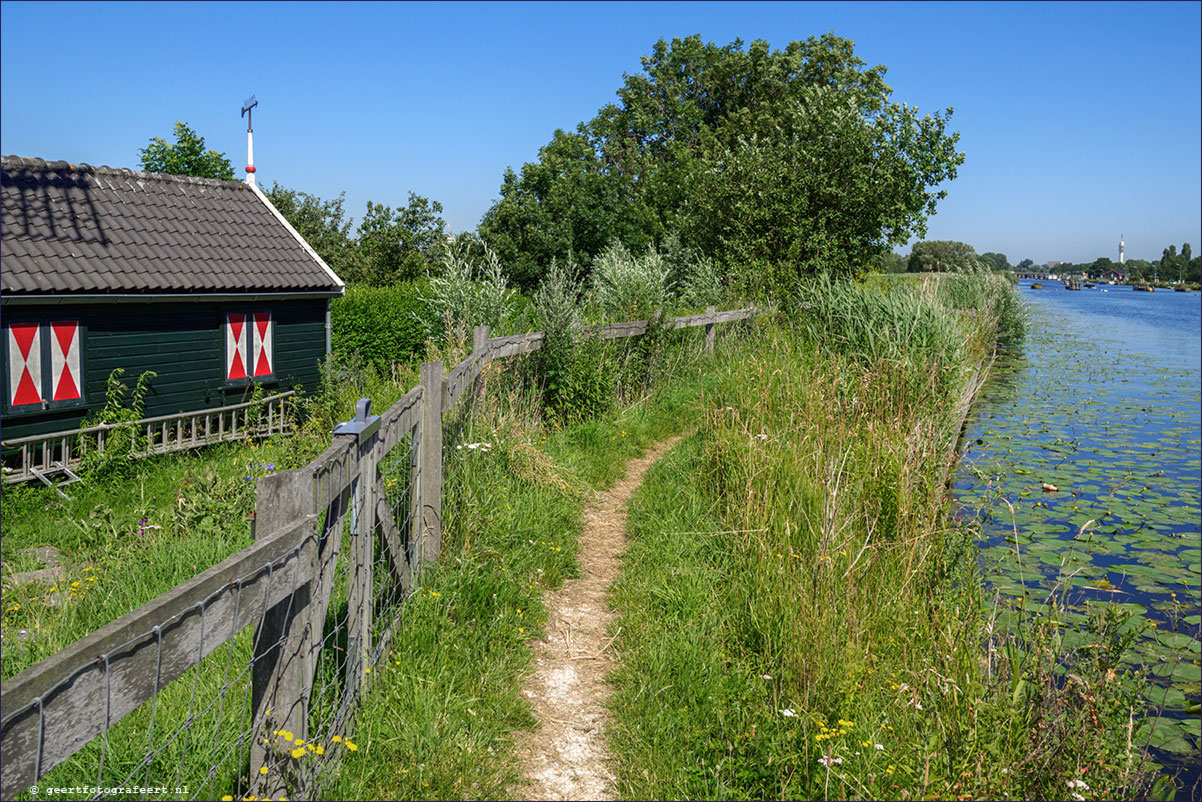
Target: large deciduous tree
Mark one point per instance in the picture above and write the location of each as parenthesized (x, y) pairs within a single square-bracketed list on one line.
[(402, 244), (187, 156), (778, 163), (944, 256)]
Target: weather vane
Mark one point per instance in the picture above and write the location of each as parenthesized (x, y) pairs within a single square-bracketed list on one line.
[(250, 103)]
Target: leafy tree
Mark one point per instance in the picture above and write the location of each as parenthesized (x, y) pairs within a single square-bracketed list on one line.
[(186, 157), (399, 245), (996, 261), (323, 225), (889, 261), (944, 256), (563, 204), (775, 163), (1026, 265)]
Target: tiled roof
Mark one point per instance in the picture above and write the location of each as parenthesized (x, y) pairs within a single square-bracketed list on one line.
[(73, 228)]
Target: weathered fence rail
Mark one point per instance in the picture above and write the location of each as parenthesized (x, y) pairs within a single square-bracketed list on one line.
[(339, 545)]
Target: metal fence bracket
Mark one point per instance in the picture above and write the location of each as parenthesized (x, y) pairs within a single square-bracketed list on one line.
[(364, 424)]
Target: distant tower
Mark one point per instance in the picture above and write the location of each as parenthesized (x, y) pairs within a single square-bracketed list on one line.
[(1122, 251)]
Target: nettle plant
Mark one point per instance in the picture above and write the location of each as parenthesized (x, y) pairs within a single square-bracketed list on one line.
[(122, 442)]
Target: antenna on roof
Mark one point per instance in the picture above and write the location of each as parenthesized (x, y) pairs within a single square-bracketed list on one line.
[(250, 103)]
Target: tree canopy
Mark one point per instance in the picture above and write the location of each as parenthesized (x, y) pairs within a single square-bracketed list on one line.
[(777, 163), (945, 256), (389, 246), (187, 156)]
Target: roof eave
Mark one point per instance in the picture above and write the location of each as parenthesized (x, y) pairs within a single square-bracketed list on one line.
[(301, 240)]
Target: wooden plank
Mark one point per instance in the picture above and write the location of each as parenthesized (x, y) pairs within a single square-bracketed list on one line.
[(332, 472), (733, 315), (281, 639), (461, 378), (390, 535), (514, 344), (55, 707), (431, 464), (400, 418)]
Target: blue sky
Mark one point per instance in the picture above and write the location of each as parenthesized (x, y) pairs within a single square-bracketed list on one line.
[(1080, 120)]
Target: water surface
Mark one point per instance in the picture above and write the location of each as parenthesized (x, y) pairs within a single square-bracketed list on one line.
[(1102, 403)]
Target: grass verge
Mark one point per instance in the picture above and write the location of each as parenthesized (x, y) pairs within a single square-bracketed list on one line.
[(800, 618)]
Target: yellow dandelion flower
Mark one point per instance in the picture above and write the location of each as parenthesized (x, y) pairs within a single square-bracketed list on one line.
[(227, 798), (337, 739), (297, 754), (262, 769), (319, 749), (351, 746)]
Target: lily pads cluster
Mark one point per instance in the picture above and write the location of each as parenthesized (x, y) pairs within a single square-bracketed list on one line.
[(1082, 467)]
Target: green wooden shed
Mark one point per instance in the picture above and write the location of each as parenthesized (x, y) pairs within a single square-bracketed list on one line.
[(199, 280)]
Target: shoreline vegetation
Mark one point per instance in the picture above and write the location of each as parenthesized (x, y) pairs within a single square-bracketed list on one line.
[(800, 616)]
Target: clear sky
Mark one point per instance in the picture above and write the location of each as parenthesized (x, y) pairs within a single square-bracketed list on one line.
[(1080, 120)]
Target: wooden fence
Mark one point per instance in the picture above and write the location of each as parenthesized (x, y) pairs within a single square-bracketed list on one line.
[(339, 544), (41, 456)]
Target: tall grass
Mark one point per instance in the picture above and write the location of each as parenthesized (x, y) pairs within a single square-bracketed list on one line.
[(801, 619)]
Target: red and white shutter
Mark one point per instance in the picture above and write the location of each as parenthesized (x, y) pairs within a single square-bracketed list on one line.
[(24, 364), (64, 360), (261, 334), (235, 346)]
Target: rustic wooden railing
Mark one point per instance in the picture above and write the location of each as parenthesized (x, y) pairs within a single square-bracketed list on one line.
[(41, 456), (339, 545)]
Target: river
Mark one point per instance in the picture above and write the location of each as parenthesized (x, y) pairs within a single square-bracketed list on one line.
[(1102, 403)]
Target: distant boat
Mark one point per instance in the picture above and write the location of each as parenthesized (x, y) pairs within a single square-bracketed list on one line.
[(1037, 286), (1142, 287), (1072, 284), (1089, 285)]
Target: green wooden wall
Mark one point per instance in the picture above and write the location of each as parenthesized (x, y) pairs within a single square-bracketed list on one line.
[(183, 343)]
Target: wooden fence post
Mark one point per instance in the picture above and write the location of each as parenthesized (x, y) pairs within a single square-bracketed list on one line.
[(479, 347), (709, 330), (431, 463), (279, 674)]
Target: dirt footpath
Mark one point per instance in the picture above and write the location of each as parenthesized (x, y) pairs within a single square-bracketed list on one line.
[(566, 756)]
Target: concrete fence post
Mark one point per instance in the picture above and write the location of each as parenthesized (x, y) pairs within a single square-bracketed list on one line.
[(709, 329), (431, 463)]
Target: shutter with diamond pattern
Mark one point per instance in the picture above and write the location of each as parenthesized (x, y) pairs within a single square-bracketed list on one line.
[(64, 360), (262, 343), (24, 364), (235, 346)]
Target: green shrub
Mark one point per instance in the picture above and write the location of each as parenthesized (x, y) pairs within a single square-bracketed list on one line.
[(574, 376), (119, 444), (381, 325)]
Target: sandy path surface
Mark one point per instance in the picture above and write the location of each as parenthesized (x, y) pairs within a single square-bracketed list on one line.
[(566, 756)]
